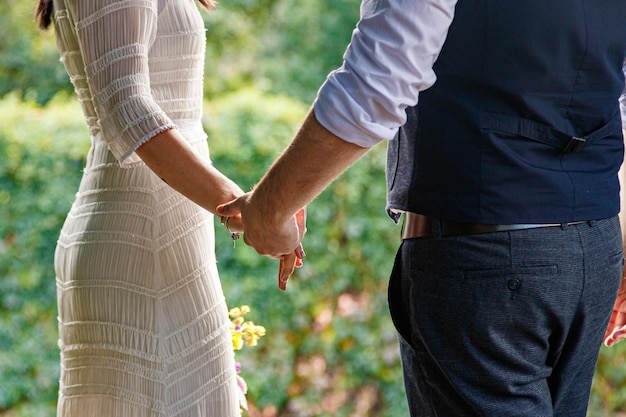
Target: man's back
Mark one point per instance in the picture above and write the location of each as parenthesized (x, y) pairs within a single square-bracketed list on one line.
[(518, 85)]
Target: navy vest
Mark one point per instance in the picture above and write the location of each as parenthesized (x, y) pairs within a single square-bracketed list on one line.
[(523, 123)]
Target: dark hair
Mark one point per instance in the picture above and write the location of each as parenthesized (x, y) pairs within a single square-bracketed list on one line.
[(43, 13)]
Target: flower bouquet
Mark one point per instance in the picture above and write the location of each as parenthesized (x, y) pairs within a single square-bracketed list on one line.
[(243, 333)]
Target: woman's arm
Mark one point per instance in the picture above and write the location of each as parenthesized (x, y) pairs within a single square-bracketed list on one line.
[(115, 37), (172, 159)]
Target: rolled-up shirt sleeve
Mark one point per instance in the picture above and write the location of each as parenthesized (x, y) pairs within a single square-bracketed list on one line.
[(388, 61), (115, 38)]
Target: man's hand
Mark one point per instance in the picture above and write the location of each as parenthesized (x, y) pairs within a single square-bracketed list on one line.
[(617, 325), (270, 236), (273, 217)]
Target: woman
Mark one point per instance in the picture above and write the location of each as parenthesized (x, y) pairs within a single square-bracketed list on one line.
[(144, 328)]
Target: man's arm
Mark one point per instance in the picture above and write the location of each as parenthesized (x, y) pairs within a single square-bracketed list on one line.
[(314, 159), (389, 60), (272, 214)]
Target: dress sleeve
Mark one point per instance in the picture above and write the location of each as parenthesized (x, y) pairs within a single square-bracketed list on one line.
[(115, 37)]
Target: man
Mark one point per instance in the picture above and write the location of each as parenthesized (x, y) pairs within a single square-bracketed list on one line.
[(506, 172)]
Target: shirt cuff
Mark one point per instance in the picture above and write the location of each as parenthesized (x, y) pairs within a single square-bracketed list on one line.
[(345, 119)]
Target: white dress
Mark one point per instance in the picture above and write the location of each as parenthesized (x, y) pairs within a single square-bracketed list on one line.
[(144, 328)]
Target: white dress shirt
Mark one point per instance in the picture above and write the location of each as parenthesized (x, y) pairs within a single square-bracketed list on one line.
[(388, 62)]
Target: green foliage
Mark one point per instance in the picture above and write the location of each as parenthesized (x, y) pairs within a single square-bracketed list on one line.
[(39, 173), (29, 61), (330, 349), (302, 30), (247, 137), (266, 44), (608, 396), (279, 46), (330, 346)]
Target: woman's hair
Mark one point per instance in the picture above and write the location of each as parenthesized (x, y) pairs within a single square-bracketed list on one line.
[(43, 13)]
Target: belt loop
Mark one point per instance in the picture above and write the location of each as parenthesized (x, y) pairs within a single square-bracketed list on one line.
[(436, 225), (564, 226)]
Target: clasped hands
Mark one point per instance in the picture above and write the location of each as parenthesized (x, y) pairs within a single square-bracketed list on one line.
[(270, 234)]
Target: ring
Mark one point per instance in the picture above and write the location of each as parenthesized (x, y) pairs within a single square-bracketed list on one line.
[(234, 235)]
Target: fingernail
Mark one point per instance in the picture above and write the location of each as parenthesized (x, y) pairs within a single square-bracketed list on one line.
[(301, 253)]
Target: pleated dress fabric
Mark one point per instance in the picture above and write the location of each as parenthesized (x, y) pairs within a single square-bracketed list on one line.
[(143, 323)]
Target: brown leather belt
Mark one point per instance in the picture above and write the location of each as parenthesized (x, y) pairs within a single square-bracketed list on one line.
[(417, 225)]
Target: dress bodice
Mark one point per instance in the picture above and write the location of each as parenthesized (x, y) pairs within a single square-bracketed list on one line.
[(137, 68)]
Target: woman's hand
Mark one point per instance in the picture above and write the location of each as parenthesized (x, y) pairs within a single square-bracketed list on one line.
[(269, 235)]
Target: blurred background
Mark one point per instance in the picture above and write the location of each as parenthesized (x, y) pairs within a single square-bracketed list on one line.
[(330, 348)]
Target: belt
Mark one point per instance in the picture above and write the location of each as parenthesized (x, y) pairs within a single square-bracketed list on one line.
[(417, 225)]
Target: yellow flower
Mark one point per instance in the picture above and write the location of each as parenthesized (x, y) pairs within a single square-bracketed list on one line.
[(237, 340), (244, 331), (252, 333), (238, 312)]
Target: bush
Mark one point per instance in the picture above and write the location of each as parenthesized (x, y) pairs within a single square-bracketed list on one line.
[(39, 173), (330, 348)]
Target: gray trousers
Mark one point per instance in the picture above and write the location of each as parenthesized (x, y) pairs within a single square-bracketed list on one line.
[(505, 324)]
